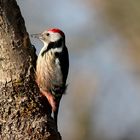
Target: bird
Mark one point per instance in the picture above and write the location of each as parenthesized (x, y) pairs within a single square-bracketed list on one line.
[(52, 67)]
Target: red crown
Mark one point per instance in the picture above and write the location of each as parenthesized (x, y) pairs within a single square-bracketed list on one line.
[(56, 30)]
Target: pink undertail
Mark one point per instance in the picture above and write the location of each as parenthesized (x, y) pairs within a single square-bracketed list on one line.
[(50, 98)]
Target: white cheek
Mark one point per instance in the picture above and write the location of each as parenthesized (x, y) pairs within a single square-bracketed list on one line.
[(55, 37)]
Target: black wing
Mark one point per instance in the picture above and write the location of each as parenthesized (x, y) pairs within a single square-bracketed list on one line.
[(64, 63)]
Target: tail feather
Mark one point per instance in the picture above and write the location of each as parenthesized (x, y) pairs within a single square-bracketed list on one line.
[(54, 101)]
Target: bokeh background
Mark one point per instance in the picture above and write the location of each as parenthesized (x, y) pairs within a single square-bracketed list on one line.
[(103, 38)]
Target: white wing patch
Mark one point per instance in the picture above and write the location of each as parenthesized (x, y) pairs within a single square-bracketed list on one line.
[(57, 50), (57, 62), (58, 70)]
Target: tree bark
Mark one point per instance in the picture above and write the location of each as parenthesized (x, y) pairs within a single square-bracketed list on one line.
[(24, 113)]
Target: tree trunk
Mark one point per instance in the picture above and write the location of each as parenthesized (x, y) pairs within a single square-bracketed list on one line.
[(24, 113)]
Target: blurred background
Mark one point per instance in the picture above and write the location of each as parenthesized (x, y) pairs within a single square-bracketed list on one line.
[(103, 38)]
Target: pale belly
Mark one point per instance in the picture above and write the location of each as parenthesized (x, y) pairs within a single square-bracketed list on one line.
[(48, 72)]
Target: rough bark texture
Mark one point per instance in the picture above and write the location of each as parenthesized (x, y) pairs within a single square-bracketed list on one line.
[(24, 113)]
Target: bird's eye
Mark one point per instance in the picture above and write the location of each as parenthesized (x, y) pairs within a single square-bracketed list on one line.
[(47, 34)]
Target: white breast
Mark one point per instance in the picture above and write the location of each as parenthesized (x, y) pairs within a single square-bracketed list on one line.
[(48, 69)]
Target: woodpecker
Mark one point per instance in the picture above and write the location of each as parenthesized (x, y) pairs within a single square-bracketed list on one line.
[(52, 67)]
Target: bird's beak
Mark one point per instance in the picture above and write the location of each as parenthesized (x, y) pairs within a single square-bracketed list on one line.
[(38, 36)]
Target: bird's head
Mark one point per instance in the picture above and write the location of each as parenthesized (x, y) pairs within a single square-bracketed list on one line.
[(50, 36)]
